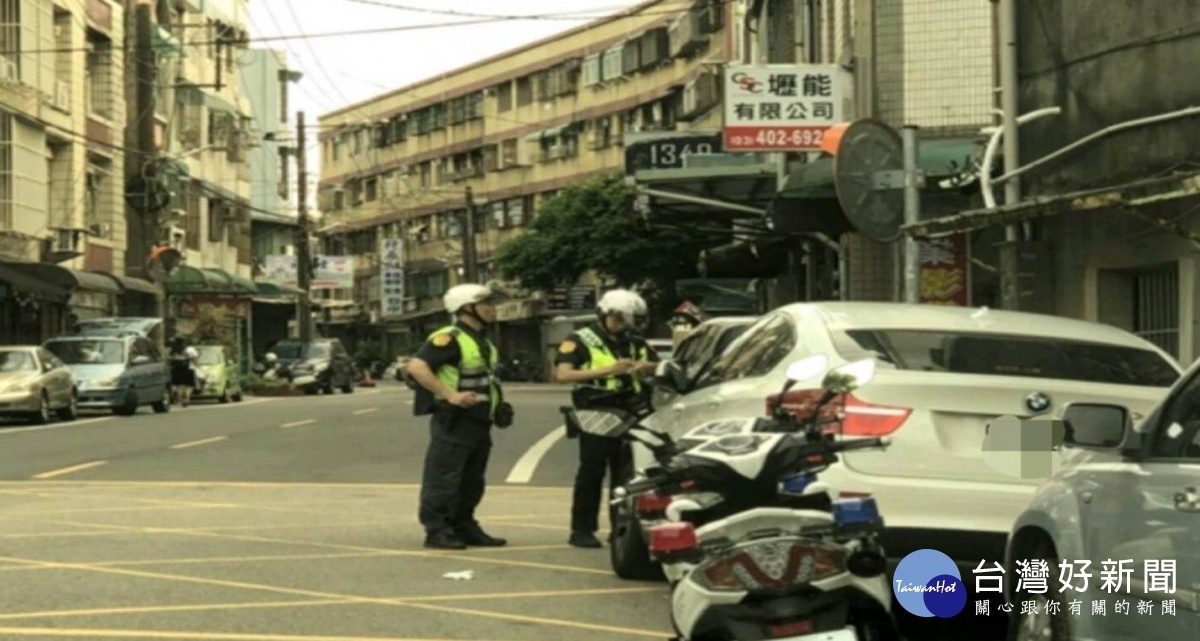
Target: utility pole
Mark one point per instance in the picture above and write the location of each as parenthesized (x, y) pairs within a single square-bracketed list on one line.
[(144, 167), (1009, 298), (303, 257), (912, 213), (470, 263)]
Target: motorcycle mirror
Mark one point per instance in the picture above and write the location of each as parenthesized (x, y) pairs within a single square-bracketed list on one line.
[(849, 377), (671, 375), (802, 370)]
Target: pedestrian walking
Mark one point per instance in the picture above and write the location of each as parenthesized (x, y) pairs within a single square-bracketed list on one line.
[(608, 354), (183, 359), (455, 371)]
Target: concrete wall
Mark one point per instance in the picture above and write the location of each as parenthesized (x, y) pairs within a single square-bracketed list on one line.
[(1084, 56), (1078, 54)]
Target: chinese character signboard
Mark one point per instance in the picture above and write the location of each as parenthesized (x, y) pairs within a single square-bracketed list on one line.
[(391, 277), (329, 272), (781, 107), (945, 271)]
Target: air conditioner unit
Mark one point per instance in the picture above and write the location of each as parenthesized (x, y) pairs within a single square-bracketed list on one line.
[(685, 35), (8, 69), (101, 230), (699, 96), (557, 152), (62, 95)]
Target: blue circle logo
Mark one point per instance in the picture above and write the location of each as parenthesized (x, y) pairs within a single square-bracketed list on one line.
[(927, 583)]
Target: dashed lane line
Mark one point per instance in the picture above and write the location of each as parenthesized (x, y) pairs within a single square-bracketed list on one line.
[(309, 421), (367, 410), (205, 441), (68, 470)]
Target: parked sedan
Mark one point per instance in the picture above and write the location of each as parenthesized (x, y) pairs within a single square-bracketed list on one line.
[(944, 374), (319, 365), (118, 373), (34, 384), (1125, 499)]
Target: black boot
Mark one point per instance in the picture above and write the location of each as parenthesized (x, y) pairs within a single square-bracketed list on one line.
[(445, 540), (477, 537), (584, 540)]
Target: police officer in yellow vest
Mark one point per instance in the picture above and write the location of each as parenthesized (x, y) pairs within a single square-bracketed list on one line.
[(609, 354), (455, 371)]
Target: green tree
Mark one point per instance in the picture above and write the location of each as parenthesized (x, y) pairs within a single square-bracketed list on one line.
[(589, 226)]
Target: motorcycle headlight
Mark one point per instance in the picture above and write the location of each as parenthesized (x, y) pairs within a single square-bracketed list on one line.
[(770, 564)]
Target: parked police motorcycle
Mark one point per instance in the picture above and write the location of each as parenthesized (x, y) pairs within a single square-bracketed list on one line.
[(753, 545)]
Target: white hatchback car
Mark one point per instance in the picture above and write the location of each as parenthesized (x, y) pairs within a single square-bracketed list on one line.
[(943, 374)]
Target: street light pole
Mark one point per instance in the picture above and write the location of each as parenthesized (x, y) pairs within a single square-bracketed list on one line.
[(1009, 106), (303, 257)]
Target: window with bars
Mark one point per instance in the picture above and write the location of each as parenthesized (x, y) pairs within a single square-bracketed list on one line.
[(10, 38), (1156, 307)]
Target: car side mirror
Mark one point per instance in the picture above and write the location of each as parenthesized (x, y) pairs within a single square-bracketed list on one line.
[(140, 360), (670, 375), (1096, 425)]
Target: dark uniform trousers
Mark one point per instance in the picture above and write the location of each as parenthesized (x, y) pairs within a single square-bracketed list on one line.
[(597, 454), (455, 466)]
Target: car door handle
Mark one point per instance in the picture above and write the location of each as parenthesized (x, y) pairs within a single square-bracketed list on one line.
[(1188, 500)]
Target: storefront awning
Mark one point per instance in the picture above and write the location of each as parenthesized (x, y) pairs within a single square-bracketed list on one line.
[(266, 288), (938, 159), (131, 284), (68, 279), (209, 281), (1129, 195), (17, 280), (717, 192)]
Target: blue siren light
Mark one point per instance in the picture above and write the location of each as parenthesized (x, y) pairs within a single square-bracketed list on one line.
[(796, 484), (855, 511)]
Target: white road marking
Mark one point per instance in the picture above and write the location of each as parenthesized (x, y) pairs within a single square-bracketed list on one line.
[(214, 439), (523, 471), (225, 406), (299, 423), (68, 470), (54, 426), (368, 410)]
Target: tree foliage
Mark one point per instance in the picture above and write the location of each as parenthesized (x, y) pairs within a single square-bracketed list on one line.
[(590, 226)]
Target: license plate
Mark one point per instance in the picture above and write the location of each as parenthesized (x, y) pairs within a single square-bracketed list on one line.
[(846, 634)]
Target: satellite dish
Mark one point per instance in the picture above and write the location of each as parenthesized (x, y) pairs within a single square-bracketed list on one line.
[(868, 175)]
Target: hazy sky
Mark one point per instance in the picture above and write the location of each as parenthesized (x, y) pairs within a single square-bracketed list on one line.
[(342, 69)]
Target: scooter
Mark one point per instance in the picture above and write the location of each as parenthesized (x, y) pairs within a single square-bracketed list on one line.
[(753, 545)]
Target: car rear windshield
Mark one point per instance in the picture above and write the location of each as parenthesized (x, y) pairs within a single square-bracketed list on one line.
[(1003, 355), (97, 352), (290, 350)]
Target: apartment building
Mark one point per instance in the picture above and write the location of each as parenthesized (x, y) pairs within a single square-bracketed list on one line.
[(205, 133), (266, 80), (514, 129), (928, 63), (62, 164)]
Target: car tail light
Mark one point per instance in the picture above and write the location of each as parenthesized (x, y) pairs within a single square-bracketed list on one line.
[(771, 564), (650, 504), (856, 416), (793, 629), (672, 538), (861, 418)]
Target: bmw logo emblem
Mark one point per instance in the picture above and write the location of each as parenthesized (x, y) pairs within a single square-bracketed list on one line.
[(1037, 402)]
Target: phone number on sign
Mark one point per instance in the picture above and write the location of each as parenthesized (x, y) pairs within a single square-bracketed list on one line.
[(775, 138)]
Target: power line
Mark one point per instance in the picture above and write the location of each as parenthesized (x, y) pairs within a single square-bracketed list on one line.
[(468, 14), (361, 32)]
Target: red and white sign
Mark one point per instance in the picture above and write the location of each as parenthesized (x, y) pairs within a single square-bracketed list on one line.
[(782, 107)]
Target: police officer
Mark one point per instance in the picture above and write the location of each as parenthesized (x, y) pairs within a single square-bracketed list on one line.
[(608, 354), (457, 386)]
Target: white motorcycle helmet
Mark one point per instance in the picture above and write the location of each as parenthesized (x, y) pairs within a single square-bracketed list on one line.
[(630, 306), (460, 296)]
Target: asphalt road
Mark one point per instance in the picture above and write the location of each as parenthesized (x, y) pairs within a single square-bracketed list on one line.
[(289, 519)]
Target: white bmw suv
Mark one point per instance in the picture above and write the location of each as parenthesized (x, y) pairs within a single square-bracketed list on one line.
[(943, 374)]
